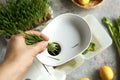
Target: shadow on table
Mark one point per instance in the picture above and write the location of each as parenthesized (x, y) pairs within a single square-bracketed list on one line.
[(96, 75)]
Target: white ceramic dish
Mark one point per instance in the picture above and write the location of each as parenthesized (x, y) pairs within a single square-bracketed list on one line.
[(72, 33)]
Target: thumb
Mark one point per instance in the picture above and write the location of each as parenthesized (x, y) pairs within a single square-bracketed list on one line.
[(39, 46)]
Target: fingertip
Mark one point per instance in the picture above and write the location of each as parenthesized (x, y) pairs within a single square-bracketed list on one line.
[(44, 43), (44, 36), (40, 46)]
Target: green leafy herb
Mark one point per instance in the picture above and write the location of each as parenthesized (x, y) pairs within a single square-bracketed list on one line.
[(90, 48), (22, 15)]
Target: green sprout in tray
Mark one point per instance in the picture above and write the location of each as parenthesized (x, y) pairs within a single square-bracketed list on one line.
[(22, 15)]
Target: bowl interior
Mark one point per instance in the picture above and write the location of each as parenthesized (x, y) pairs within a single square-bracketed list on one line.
[(72, 33)]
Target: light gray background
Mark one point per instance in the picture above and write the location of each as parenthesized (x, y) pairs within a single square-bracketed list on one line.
[(109, 8)]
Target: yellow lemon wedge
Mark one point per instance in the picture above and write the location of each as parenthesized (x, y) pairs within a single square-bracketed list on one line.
[(84, 2), (106, 73), (84, 79)]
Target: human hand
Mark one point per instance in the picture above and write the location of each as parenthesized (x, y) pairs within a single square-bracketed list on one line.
[(19, 55), (18, 49)]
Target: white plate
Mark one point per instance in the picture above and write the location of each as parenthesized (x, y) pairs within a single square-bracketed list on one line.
[(68, 30)]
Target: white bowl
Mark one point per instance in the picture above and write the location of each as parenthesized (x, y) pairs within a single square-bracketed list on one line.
[(72, 33)]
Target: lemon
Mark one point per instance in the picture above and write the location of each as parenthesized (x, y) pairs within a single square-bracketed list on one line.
[(84, 79), (83, 1), (106, 73)]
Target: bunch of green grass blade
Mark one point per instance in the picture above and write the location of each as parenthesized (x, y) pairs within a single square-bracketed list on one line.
[(33, 38), (114, 31), (21, 15)]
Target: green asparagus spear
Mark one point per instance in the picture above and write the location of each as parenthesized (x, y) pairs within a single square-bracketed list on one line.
[(114, 31)]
